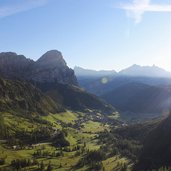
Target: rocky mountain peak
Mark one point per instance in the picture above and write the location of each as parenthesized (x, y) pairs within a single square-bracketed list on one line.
[(52, 57), (11, 57), (14, 66), (50, 67), (2, 54)]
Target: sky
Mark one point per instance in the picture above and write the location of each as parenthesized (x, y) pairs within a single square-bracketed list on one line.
[(93, 34)]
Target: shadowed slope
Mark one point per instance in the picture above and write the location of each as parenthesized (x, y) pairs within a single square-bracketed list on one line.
[(17, 96)]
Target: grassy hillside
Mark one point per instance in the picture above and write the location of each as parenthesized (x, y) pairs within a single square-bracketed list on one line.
[(23, 97), (70, 141), (140, 98), (35, 136), (37, 139), (156, 152), (75, 98)]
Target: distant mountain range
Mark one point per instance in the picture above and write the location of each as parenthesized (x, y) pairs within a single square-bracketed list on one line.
[(137, 89), (81, 72), (133, 71), (144, 71)]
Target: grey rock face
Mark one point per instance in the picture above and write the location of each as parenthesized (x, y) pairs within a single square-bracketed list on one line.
[(51, 67), (13, 66)]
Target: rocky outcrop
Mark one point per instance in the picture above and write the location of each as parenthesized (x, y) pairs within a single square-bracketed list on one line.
[(13, 66), (51, 67)]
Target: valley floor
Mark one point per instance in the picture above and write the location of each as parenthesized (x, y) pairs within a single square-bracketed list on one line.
[(81, 131)]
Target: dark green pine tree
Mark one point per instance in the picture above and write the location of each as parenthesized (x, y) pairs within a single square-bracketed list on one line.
[(42, 166), (124, 167), (49, 168)]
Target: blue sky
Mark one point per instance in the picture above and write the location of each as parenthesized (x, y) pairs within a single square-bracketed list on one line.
[(95, 34)]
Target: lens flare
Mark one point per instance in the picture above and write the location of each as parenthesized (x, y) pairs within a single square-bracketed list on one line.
[(104, 80)]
